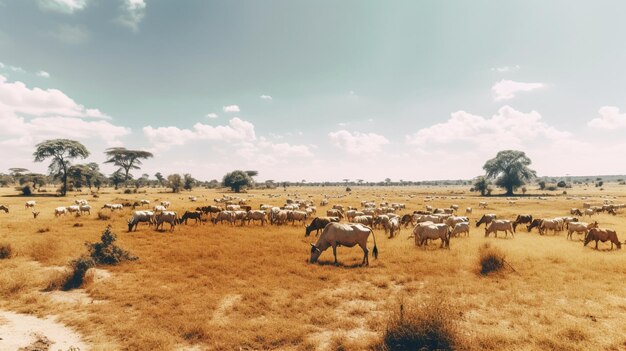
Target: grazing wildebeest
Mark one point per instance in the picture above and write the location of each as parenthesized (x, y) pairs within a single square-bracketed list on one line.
[(555, 225), (459, 228), (486, 218), (394, 225), (4, 208), (349, 235), (166, 217), (256, 215), (522, 219), (140, 216), (30, 204), (575, 212), (319, 223), (406, 220), (536, 223), (499, 225), (197, 215), (579, 228), (433, 231), (603, 235)]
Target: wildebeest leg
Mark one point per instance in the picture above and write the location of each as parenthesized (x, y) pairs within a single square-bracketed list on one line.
[(596, 244), (335, 253), (365, 255)]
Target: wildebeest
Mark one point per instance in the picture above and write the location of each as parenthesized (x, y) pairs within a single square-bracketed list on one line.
[(334, 213), (598, 234), (407, 219), (319, 223), (579, 228), (535, 224), (555, 225), (428, 230), (522, 219), (35, 214), (499, 225), (459, 228), (394, 225), (256, 215), (197, 215), (349, 235), (166, 217), (85, 209), (210, 210), (486, 218), (575, 212), (30, 204), (140, 216), (4, 208), (60, 211)]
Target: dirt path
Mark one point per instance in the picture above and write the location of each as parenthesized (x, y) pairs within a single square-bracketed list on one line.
[(25, 332)]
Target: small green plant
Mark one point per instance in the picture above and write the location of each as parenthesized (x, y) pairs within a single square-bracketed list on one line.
[(6, 251), (105, 252)]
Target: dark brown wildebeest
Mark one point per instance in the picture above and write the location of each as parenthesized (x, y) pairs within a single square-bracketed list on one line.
[(575, 212), (319, 223), (486, 218), (210, 210), (197, 215), (536, 223), (599, 234), (4, 208), (348, 235), (522, 219), (406, 220)]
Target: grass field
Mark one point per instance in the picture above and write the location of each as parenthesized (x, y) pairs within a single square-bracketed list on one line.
[(219, 287)]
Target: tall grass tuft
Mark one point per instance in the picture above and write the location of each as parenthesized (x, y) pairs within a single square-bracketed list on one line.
[(491, 259), (429, 327)]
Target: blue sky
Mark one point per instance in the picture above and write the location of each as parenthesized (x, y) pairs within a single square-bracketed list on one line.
[(318, 90)]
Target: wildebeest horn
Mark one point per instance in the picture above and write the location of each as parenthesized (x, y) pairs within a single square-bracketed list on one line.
[(312, 245)]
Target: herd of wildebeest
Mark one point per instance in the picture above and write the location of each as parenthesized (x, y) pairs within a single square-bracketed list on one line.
[(350, 226)]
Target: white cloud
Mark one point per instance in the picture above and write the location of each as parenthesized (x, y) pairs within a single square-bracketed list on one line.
[(163, 138), (211, 115), (1, 65), (508, 128), (43, 74), (503, 69), (265, 97), (70, 34), (506, 89), (62, 6), (133, 12), (231, 108), (18, 98), (29, 116), (610, 119), (356, 142)]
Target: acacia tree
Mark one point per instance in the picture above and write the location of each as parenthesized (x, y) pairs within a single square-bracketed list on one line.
[(510, 170), (126, 159), (175, 181), (481, 184), (159, 178), (236, 180), (61, 151)]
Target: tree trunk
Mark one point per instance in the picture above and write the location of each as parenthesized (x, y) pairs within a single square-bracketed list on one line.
[(64, 189), (509, 191)]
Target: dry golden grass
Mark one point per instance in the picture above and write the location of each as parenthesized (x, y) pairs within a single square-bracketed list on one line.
[(220, 287)]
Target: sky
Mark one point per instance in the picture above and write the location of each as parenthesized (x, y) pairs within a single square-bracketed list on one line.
[(317, 90)]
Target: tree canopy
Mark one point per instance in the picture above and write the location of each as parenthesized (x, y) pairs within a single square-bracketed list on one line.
[(61, 151), (126, 159), (510, 169), (237, 180)]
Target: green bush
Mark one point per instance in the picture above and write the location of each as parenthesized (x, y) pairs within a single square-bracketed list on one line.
[(105, 252)]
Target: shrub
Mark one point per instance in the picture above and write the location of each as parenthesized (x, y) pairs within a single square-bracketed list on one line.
[(43, 230), (79, 268), (6, 251), (128, 191), (72, 279), (430, 327), (561, 184), (105, 252), (104, 215), (491, 259)]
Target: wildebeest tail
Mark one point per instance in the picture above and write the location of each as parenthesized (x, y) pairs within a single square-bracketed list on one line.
[(375, 250)]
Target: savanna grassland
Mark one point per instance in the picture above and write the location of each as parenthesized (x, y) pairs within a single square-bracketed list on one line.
[(222, 287)]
